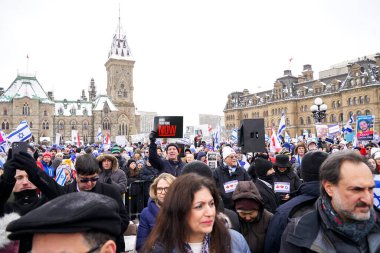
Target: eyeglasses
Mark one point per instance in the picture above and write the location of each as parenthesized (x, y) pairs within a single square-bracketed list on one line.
[(232, 156), (88, 179), (95, 248), (162, 190)]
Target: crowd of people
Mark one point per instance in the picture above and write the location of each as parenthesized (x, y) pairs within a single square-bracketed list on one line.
[(310, 196)]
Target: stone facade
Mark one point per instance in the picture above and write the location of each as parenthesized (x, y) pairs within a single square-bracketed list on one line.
[(349, 89), (114, 113)]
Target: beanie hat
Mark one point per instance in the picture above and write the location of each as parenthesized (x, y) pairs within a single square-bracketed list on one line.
[(200, 155), (197, 167), (227, 151), (115, 149), (262, 166), (246, 205), (47, 154), (172, 145), (376, 155), (310, 165)]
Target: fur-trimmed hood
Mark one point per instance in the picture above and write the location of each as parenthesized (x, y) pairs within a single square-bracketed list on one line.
[(115, 163), (4, 221)]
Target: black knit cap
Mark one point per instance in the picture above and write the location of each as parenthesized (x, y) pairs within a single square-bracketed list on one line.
[(262, 166), (70, 213), (172, 144), (310, 165)]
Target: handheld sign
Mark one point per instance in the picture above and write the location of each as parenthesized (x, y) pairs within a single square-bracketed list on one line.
[(169, 126)]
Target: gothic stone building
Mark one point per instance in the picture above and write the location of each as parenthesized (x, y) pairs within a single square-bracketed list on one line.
[(114, 113), (350, 88)]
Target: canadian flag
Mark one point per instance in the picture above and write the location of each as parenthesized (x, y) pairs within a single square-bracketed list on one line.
[(275, 145), (107, 139)]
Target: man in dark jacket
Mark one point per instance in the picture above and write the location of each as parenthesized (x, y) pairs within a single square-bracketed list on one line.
[(172, 165), (87, 176), (344, 219), (307, 194), (264, 171), (228, 175)]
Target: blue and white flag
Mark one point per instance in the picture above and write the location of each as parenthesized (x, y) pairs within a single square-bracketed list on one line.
[(217, 137), (376, 191), (351, 119), (61, 177), (282, 126), (22, 133), (99, 135), (234, 135)]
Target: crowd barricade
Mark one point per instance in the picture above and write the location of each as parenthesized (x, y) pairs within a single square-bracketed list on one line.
[(138, 195)]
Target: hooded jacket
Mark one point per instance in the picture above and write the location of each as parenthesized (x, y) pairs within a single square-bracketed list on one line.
[(114, 176), (253, 232)]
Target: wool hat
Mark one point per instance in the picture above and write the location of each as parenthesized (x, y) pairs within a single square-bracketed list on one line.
[(227, 151), (262, 166), (200, 155), (115, 149), (172, 145), (246, 204), (376, 155), (197, 167), (70, 213), (47, 154), (310, 165), (282, 161)]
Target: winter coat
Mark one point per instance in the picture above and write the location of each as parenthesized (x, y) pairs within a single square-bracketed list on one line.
[(254, 232), (222, 176), (148, 173), (307, 195), (269, 197), (146, 223), (309, 233), (238, 244), (288, 177), (114, 176), (163, 165), (48, 168)]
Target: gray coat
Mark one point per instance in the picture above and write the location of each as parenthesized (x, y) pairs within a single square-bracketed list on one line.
[(115, 176)]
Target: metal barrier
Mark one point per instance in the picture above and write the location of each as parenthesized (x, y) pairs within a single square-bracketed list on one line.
[(138, 195)]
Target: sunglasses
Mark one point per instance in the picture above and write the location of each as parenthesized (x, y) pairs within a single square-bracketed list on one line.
[(88, 179)]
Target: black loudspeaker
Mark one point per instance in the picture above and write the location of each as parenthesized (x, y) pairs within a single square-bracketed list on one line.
[(251, 135)]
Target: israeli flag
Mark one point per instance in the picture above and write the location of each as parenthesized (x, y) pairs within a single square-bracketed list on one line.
[(351, 119), (99, 135), (217, 137), (234, 136), (22, 133), (376, 191), (61, 178), (282, 126)]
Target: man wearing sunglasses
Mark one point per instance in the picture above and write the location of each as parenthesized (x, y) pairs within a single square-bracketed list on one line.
[(87, 176)]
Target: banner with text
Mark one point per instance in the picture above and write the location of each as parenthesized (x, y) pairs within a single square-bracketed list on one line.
[(169, 126)]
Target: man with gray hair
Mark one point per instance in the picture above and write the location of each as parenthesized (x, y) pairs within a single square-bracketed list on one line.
[(344, 219)]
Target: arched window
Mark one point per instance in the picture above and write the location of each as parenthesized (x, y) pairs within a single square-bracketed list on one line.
[(123, 129), (308, 120), (45, 125), (341, 117), (333, 105), (73, 125), (61, 125), (301, 121), (5, 125), (5, 112), (355, 101), (25, 110), (338, 104), (349, 101), (106, 124), (85, 125), (332, 118), (367, 112), (45, 113), (366, 99), (361, 100), (358, 113)]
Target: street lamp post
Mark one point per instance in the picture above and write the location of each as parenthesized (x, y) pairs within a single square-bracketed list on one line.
[(319, 110)]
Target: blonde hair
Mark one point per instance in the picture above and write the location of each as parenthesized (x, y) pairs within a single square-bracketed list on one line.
[(169, 178)]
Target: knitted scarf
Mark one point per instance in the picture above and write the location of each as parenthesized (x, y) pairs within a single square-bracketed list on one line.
[(354, 230), (205, 245)]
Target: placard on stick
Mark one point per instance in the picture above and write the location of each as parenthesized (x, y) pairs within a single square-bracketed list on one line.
[(168, 126)]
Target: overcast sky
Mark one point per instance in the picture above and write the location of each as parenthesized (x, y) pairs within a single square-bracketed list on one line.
[(189, 54)]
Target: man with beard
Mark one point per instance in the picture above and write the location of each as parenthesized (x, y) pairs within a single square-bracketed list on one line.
[(344, 219)]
